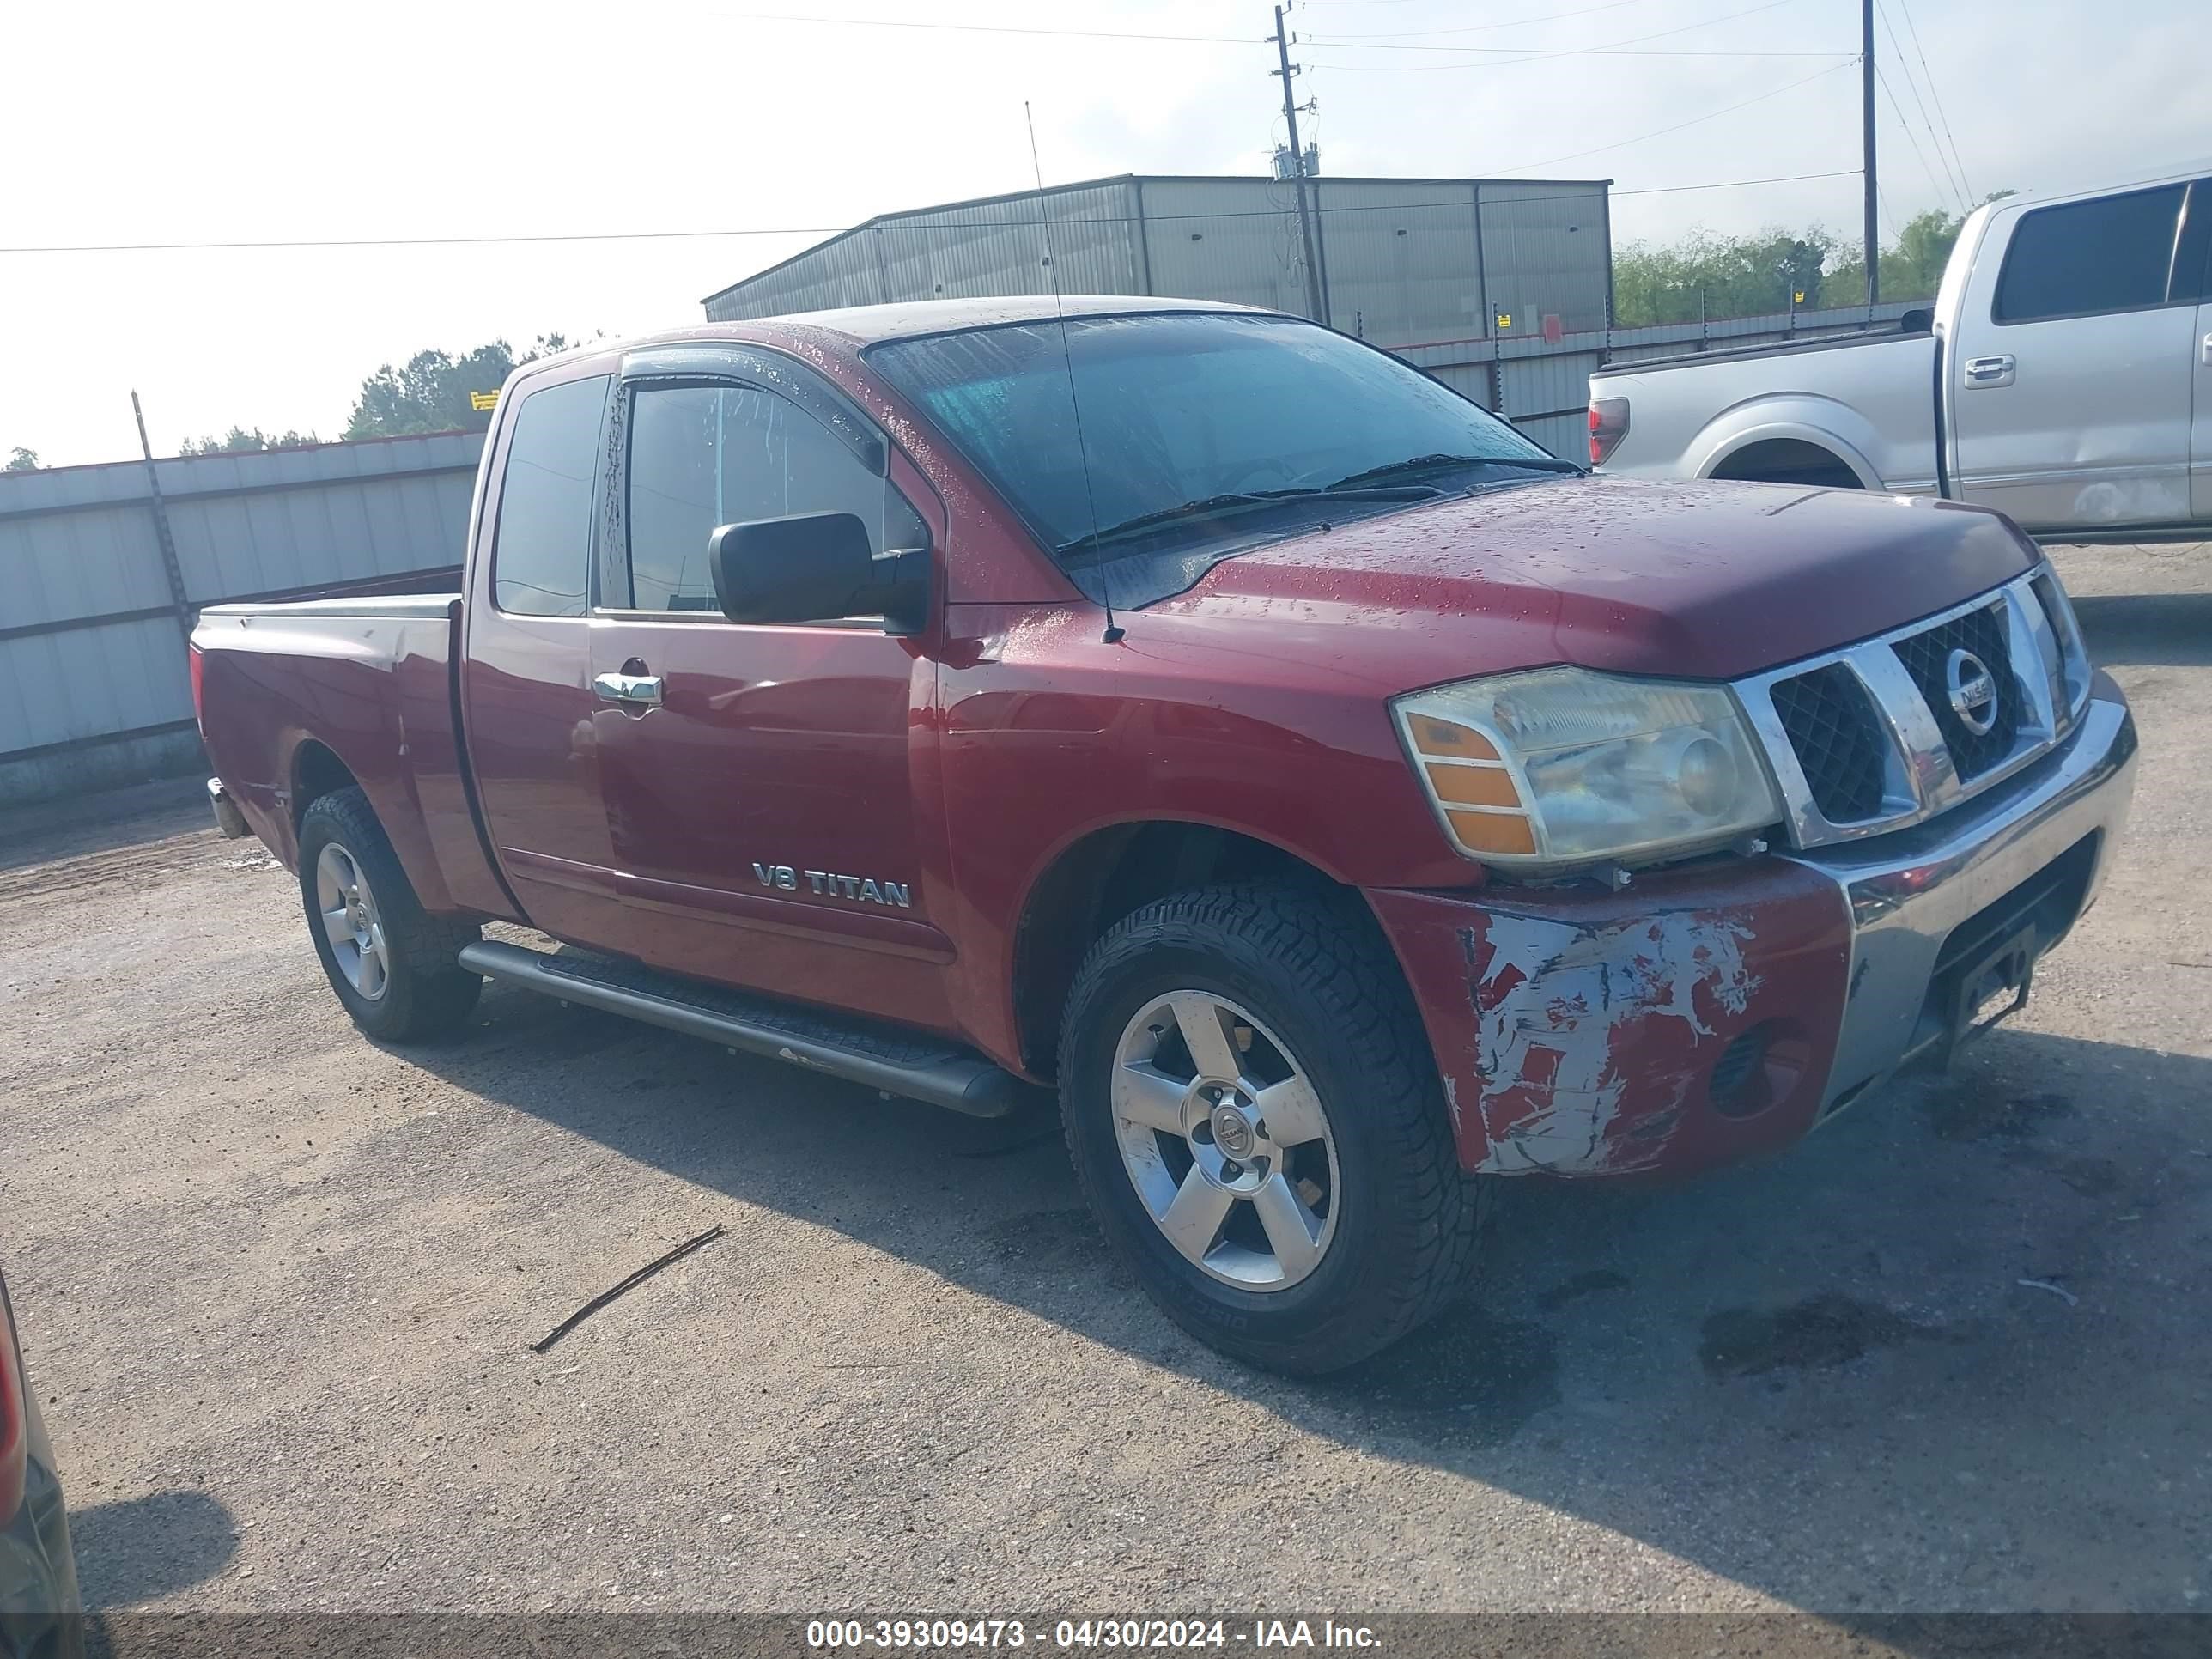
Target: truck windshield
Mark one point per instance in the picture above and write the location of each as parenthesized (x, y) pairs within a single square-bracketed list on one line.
[(1205, 433)]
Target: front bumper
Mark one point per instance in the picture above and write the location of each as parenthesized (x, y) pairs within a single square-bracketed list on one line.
[(1705, 1014), (1923, 902)]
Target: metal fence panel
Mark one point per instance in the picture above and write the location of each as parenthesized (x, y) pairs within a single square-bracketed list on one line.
[(88, 563), (93, 687), (275, 541), (1677, 339), (88, 682), (1544, 383)]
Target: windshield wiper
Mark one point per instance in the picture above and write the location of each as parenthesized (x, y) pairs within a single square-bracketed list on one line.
[(1235, 501), (1439, 463)]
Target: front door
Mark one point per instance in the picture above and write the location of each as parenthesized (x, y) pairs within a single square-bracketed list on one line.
[(526, 665), (2070, 377), (762, 783)]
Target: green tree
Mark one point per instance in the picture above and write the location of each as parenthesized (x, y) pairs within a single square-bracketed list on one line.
[(240, 438), (430, 392), (1913, 269), (1752, 275), (1728, 275), (22, 461)]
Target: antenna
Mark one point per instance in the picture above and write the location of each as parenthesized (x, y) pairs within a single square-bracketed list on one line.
[(1114, 633)]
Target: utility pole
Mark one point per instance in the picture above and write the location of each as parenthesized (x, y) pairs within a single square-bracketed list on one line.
[(1866, 128), (165, 542), (1314, 304)]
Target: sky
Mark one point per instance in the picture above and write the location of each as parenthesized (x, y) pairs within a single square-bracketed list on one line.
[(223, 122)]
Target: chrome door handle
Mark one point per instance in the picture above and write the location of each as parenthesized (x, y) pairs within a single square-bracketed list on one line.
[(1989, 371), (632, 691), (2208, 350)]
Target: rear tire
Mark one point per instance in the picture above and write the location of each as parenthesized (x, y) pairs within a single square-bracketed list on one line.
[(391, 963), (1345, 1221)]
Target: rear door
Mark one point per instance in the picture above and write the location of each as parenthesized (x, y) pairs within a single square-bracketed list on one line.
[(762, 797), (2194, 254), (525, 671), (2071, 380)]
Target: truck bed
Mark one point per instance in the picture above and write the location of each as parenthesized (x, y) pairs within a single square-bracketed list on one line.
[(371, 677), (1866, 402), (1876, 336)]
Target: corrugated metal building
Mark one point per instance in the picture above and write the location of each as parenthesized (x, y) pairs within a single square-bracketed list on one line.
[(1485, 282)]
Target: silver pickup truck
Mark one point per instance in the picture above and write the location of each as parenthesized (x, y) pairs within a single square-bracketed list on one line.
[(2064, 377)]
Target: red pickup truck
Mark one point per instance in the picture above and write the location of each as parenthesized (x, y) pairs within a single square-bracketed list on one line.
[(1336, 798)]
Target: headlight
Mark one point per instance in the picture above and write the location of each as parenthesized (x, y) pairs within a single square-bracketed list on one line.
[(2066, 659), (1562, 766)]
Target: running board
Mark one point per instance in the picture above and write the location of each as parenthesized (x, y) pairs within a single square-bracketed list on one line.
[(887, 1058)]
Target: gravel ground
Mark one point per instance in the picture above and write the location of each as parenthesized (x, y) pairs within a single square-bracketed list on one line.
[(278, 1283)]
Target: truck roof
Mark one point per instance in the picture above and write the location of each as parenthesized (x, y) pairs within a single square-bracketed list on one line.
[(866, 325)]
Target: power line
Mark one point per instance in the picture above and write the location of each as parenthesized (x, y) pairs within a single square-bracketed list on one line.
[(1905, 127), (984, 28), (1485, 28), (1229, 40), (1913, 86), (1611, 49), (1728, 183), (1913, 29), (834, 230), (1694, 120), (1563, 51)]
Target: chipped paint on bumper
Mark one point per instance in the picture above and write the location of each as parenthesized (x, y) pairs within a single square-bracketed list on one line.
[(1577, 1032)]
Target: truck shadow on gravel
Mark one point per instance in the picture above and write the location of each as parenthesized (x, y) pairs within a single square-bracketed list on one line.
[(141, 1549), (2168, 631), (1976, 1302)]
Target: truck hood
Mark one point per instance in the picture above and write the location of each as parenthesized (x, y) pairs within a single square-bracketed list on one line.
[(1704, 579)]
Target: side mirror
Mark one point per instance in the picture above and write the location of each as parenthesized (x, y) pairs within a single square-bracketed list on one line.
[(815, 567), (1919, 320)]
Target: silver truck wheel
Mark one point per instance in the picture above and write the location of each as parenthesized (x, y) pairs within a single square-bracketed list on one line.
[(351, 923), (1226, 1140), (394, 966), (1298, 1209)]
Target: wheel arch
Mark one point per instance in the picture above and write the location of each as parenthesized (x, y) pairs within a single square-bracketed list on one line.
[(316, 771), (1101, 875), (1789, 460), (1815, 425)]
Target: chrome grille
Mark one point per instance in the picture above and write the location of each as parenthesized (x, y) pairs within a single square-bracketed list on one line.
[(1927, 657), (1837, 737), (1867, 740)]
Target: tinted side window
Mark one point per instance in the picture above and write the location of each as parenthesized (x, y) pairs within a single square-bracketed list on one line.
[(704, 456), (2111, 254), (541, 560)]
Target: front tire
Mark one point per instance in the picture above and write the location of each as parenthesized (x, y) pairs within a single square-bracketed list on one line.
[(1253, 1113), (391, 962)]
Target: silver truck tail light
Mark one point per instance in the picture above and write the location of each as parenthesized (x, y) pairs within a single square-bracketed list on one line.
[(1608, 425)]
